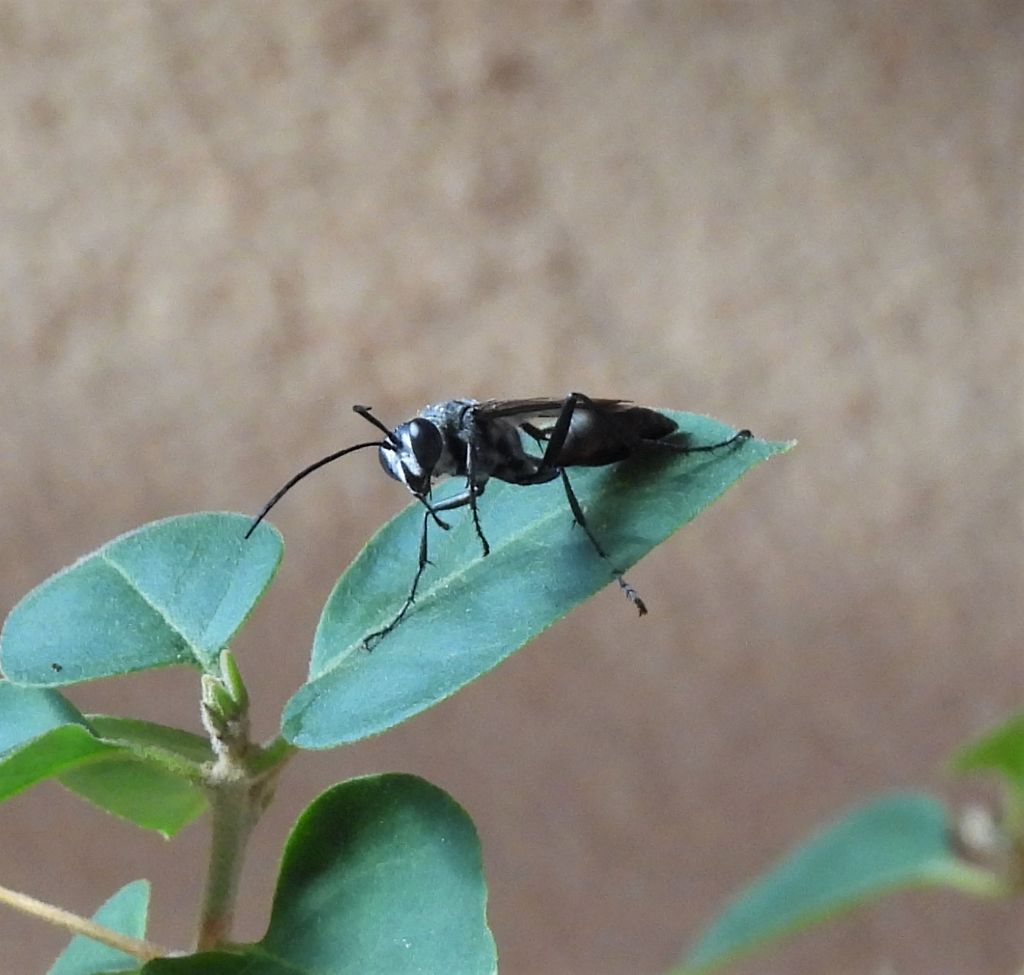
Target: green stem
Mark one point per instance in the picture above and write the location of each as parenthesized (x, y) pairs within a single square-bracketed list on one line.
[(234, 816), (239, 784), (240, 789), (143, 950)]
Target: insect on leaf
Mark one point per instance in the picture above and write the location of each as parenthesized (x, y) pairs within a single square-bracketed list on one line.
[(472, 612)]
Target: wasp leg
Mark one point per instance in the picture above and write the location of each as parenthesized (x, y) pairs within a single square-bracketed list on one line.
[(538, 435), (556, 438), (577, 513), (683, 448), (432, 511), (469, 497), (372, 639), (475, 490)]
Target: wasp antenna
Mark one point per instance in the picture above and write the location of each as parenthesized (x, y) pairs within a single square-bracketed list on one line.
[(308, 470), (364, 412)]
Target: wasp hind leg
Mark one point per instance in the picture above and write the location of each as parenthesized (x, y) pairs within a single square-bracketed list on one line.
[(685, 448), (555, 441), (577, 513)]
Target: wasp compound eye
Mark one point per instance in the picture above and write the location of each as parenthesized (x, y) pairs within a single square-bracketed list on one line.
[(425, 443)]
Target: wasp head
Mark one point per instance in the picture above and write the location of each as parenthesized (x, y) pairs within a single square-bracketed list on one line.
[(412, 453)]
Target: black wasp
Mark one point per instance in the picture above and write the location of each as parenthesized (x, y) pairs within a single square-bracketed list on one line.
[(479, 440)]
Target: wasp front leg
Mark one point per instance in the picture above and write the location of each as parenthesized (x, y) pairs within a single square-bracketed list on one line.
[(371, 640)]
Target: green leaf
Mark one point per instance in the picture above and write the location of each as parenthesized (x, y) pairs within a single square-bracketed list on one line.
[(171, 747), (381, 876), (143, 772), (999, 750), (152, 781), (138, 792), (472, 612), (125, 913), (171, 592), (242, 961), (897, 842), (41, 735), (27, 713)]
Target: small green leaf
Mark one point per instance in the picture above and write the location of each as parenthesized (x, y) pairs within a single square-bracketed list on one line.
[(41, 735), (472, 612), (151, 780), (145, 773), (999, 750), (381, 876), (137, 791), (125, 913), (897, 842), (171, 592), (171, 747), (28, 713)]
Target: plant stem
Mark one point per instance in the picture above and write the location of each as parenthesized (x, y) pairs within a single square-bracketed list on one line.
[(239, 784), (143, 950), (234, 815)]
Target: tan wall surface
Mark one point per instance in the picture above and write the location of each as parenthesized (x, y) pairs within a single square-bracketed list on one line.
[(225, 222)]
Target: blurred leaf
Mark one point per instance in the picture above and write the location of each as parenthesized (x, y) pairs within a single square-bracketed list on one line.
[(381, 876), (472, 612), (894, 843), (999, 750), (125, 913), (171, 592)]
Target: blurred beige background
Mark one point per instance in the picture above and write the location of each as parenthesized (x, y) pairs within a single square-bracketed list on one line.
[(225, 222)]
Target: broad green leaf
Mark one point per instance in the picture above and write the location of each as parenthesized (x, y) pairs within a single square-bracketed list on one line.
[(999, 750), (472, 612), (897, 842), (125, 913), (143, 772), (171, 592), (381, 876), (151, 781)]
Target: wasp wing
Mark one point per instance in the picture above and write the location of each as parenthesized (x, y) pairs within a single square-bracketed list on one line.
[(539, 408), (602, 431)]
